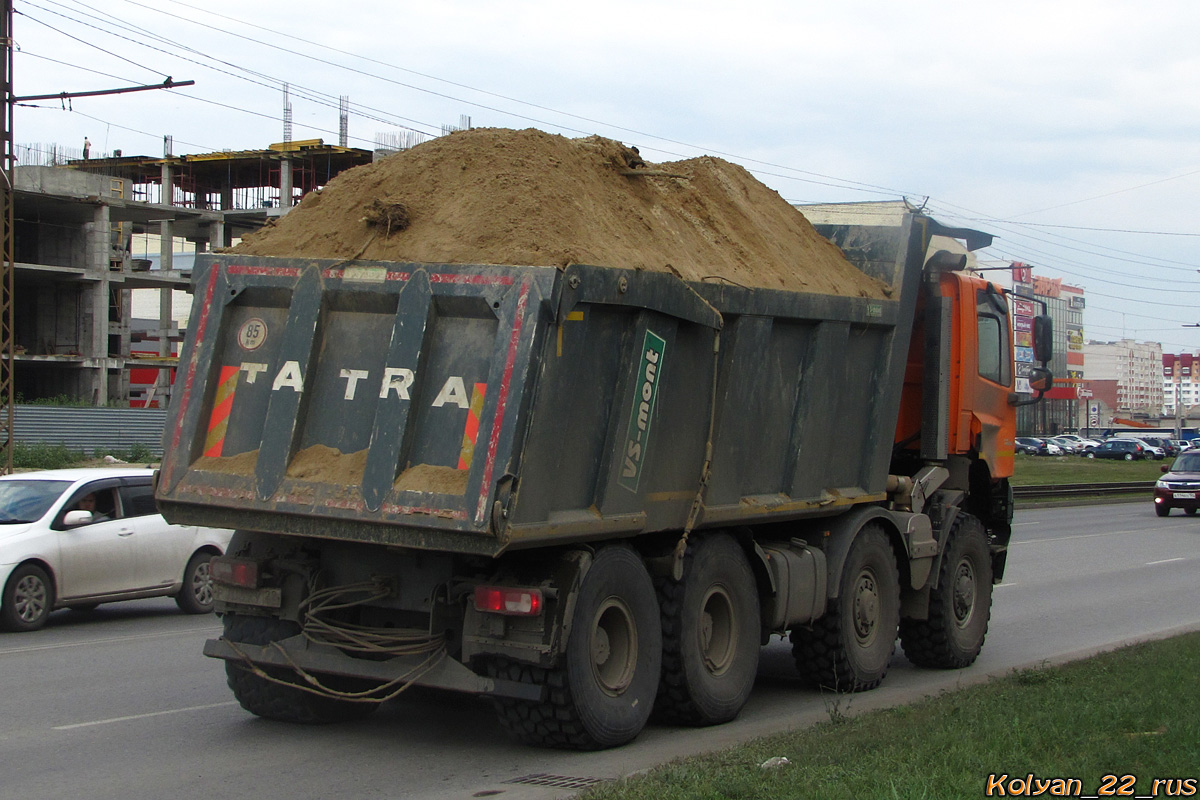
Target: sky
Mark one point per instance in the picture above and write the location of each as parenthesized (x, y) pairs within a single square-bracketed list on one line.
[(1067, 129)]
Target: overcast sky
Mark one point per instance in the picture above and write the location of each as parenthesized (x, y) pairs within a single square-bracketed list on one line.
[(1067, 129)]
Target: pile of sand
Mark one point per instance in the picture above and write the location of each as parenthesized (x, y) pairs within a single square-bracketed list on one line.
[(494, 196)]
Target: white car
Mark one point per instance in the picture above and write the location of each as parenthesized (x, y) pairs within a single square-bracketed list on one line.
[(76, 538)]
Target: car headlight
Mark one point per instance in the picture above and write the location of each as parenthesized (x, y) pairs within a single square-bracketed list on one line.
[(1160, 484)]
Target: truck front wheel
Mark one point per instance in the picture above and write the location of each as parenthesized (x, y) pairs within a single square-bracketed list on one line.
[(960, 606), (711, 627), (601, 693), (850, 648), (275, 697)]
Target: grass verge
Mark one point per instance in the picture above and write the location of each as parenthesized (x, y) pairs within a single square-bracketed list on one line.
[(1041, 470), (1130, 712)]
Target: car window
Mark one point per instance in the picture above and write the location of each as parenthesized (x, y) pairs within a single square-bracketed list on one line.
[(27, 501), (104, 506), (138, 501), (1188, 462)]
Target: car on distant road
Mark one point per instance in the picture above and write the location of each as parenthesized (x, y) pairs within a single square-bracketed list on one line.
[(76, 538), (1152, 450), (1179, 487), (1068, 445), (1169, 448), (1125, 449), (1032, 446)]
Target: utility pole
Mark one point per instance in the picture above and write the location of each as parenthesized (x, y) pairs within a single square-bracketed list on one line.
[(7, 202), (7, 338)]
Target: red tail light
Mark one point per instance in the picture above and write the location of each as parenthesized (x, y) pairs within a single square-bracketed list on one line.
[(508, 600), (235, 571)]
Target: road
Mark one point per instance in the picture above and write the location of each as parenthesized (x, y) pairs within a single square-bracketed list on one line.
[(119, 703)]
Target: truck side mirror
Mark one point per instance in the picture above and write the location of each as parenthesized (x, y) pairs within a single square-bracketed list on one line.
[(1040, 379), (1043, 338)]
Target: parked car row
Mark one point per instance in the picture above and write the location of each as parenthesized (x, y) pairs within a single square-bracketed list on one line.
[(1129, 448)]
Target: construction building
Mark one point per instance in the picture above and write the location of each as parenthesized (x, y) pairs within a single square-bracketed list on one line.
[(75, 269)]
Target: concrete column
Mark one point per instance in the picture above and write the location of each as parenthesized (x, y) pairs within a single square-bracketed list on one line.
[(99, 246), (168, 185), (285, 183), (166, 244)]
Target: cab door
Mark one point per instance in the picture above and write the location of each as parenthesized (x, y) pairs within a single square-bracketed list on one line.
[(985, 420)]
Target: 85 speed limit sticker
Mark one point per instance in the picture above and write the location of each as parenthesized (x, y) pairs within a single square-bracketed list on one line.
[(252, 334)]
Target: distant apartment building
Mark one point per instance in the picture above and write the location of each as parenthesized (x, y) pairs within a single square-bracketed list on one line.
[(1181, 384), (1125, 378)]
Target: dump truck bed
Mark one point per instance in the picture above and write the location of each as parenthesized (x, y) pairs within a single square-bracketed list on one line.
[(478, 408)]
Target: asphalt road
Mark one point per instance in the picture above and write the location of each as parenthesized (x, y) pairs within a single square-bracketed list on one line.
[(119, 704)]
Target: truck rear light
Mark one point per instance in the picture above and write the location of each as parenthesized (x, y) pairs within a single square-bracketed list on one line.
[(508, 600), (235, 571)]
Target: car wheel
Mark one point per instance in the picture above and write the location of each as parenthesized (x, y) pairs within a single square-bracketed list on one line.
[(196, 595), (1129, 456), (1090, 454), (1162, 510), (28, 599)]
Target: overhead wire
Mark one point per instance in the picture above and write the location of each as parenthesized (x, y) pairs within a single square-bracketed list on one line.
[(1092, 272)]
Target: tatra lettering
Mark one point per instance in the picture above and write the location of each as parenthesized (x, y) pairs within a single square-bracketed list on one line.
[(453, 392), (352, 376), (397, 378), (252, 370), (289, 376)]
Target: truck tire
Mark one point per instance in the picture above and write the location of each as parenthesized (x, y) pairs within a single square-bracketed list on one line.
[(961, 605), (271, 700), (711, 626), (850, 648), (602, 691)]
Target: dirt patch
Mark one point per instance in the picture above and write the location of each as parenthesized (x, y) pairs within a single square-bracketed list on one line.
[(241, 464), (326, 465), (496, 196), (430, 478)]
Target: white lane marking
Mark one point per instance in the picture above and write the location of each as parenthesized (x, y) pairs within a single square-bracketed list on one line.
[(1081, 536), (142, 716), (107, 640), (1164, 561)]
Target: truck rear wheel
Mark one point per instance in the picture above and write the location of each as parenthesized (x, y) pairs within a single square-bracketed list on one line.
[(278, 701), (850, 648), (710, 622), (601, 693), (960, 606)]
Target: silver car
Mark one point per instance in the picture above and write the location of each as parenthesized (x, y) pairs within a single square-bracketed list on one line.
[(76, 538)]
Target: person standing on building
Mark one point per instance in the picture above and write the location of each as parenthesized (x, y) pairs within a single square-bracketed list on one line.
[(87, 148)]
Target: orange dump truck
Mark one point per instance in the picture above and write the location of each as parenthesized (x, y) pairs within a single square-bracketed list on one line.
[(593, 492)]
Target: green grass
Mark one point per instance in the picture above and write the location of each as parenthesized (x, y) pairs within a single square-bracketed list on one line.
[(1133, 711), (1039, 470), (59, 456)]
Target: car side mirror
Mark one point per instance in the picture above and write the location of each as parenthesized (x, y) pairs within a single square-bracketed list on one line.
[(1165, 468), (77, 517)]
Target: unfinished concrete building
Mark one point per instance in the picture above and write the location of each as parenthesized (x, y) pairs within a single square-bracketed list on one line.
[(75, 269)]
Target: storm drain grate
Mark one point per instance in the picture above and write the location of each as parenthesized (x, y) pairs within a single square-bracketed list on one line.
[(559, 781)]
